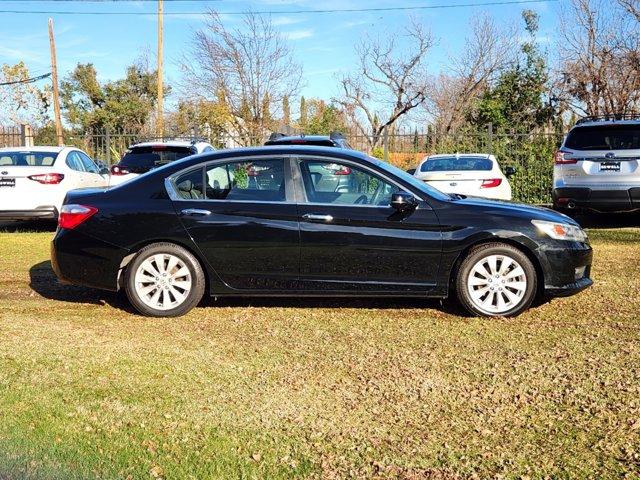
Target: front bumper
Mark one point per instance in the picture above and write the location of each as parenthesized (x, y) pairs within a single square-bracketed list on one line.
[(567, 267), (603, 200), (40, 213), (81, 259)]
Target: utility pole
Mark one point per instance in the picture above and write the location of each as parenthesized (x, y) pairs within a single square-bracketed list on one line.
[(54, 79), (160, 114)]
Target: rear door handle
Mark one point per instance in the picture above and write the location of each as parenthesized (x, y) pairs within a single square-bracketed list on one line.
[(195, 212), (317, 218)]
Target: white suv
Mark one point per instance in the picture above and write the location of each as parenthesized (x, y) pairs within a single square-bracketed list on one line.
[(598, 165), (145, 156), (35, 180)]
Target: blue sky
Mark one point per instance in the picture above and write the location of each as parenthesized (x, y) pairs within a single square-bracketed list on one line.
[(323, 43)]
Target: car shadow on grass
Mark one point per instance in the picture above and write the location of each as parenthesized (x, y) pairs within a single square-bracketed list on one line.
[(596, 220), (44, 282), (33, 226)]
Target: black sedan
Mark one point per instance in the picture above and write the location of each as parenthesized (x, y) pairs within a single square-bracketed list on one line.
[(271, 221)]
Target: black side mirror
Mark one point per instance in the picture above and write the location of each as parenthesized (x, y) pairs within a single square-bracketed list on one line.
[(403, 201), (411, 171), (104, 171), (510, 171)]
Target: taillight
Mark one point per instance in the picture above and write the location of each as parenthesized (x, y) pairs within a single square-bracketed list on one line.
[(73, 215), (343, 171), (491, 182), (47, 178), (559, 158), (118, 170)]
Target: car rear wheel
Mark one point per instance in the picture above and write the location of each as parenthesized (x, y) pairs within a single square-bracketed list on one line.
[(164, 280), (496, 280)]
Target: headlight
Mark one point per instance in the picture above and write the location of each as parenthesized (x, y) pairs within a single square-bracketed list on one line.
[(561, 231)]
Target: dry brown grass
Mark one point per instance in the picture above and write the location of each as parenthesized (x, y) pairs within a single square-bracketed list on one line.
[(333, 389)]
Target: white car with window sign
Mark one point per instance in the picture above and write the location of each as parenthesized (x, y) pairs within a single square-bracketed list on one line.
[(470, 174), (35, 180)]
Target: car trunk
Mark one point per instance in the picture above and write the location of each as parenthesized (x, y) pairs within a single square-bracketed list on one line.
[(464, 182), (19, 192)]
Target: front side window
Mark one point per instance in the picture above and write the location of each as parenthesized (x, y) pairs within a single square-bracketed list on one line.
[(344, 184), (260, 180), (88, 164)]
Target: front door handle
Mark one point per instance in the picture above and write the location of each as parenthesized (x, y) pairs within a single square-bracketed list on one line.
[(317, 218), (195, 212)]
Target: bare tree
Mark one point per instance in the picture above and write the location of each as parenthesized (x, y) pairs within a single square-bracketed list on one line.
[(486, 52), (250, 68), (632, 6), (600, 58), (389, 80)]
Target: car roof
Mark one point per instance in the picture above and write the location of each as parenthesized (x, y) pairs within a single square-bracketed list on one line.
[(311, 138), (168, 143), (39, 148), (459, 155), (605, 123)]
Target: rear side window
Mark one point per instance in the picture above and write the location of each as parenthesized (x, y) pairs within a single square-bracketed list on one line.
[(142, 159), (609, 137), (447, 164), (261, 180), (27, 159)]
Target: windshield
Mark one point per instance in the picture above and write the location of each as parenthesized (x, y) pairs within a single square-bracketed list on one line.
[(448, 164), (142, 159), (411, 180), (27, 159), (609, 137)]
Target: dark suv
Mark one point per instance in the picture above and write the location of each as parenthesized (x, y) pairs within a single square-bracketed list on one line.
[(334, 139)]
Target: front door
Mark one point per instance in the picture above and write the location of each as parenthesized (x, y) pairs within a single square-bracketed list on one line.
[(353, 240), (242, 216)]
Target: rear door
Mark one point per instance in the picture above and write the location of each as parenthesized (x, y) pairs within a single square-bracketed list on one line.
[(79, 177), (243, 218), (352, 240)]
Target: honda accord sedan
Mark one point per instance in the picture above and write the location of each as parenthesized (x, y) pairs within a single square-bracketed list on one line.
[(272, 221)]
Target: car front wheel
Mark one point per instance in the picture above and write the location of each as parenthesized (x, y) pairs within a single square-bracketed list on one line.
[(164, 280), (496, 280)]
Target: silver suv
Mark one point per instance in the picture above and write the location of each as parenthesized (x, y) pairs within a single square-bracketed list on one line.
[(598, 165)]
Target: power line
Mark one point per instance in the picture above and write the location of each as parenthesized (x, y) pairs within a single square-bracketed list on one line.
[(289, 12), (27, 80)]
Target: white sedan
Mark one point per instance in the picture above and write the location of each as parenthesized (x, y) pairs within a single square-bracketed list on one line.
[(471, 174), (35, 180)]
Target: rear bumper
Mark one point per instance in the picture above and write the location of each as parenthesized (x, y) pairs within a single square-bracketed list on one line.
[(606, 200), (41, 213), (84, 260)]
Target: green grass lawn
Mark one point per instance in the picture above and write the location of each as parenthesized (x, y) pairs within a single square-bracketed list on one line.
[(333, 389)]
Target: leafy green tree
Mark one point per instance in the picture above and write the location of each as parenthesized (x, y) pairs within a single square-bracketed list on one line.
[(323, 119), (518, 99), (126, 103), (286, 111), (22, 102)]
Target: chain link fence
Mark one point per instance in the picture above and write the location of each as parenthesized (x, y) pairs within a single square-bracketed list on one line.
[(530, 153)]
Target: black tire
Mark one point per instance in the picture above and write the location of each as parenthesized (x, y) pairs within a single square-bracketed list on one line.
[(483, 251), (196, 273)]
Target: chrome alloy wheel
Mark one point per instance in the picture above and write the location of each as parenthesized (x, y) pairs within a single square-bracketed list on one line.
[(163, 281), (497, 284)]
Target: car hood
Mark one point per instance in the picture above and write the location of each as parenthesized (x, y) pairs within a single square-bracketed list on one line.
[(515, 209)]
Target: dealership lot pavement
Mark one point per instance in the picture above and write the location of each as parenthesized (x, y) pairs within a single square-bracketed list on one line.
[(331, 388)]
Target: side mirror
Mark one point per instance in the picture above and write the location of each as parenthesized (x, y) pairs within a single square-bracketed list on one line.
[(403, 201), (104, 171), (510, 171), (411, 171)]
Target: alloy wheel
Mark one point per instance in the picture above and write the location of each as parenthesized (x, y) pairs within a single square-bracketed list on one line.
[(163, 281), (497, 284)]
